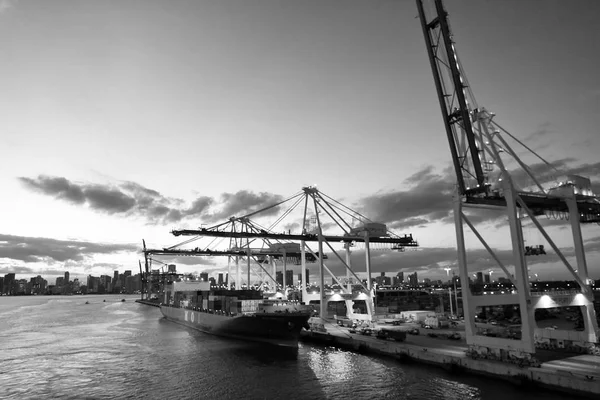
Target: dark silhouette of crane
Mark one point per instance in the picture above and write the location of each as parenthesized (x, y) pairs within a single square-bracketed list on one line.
[(483, 157)]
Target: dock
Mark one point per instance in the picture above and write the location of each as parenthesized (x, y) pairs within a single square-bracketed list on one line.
[(565, 372)]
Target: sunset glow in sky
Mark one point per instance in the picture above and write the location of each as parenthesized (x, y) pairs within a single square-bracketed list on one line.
[(123, 120)]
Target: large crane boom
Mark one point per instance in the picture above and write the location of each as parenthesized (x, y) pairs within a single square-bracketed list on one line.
[(450, 84)]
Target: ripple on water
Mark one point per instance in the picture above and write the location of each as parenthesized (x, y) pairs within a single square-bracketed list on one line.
[(113, 350)]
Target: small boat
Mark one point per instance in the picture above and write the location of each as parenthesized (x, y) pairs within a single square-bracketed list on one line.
[(87, 302), (123, 300), (104, 301)]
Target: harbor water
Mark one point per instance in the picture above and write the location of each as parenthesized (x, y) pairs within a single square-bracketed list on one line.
[(59, 347)]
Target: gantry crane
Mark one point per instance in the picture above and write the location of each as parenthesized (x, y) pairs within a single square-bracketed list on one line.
[(153, 281), (482, 156), (319, 204)]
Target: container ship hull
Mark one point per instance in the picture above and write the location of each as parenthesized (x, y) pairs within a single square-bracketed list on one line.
[(282, 329)]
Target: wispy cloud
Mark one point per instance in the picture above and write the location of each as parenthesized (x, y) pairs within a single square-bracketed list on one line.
[(7, 5), (543, 129), (37, 249)]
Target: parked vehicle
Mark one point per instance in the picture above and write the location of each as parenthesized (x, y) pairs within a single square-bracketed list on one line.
[(385, 334), (365, 331)]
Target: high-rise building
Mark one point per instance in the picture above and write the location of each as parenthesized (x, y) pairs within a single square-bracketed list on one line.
[(204, 276), (400, 276), (67, 278), (9, 283), (480, 277), (289, 277), (307, 276), (486, 278), (279, 277), (38, 285), (220, 281), (413, 280)]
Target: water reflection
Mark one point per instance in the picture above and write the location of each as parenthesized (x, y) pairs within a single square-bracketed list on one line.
[(332, 365)]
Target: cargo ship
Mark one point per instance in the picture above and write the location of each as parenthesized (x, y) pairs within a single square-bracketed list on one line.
[(239, 314)]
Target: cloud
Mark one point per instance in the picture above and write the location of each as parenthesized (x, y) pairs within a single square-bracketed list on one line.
[(542, 130), (429, 197), (36, 249), (57, 187), (109, 200), (132, 199), (246, 202), (7, 5)]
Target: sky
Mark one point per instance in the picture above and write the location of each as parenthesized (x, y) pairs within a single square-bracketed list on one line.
[(121, 121)]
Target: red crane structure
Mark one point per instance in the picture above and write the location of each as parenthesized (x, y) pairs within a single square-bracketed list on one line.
[(488, 170), (252, 242)]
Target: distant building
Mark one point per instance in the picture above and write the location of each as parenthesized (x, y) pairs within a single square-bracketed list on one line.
[(279, 277), (487, 278), (289, 277), (220, 280), (400, 276), (204, 276), (9, 283), (67, 277), (480, 277), (307, 276), (413, 280), (38, 285), (383, 280)]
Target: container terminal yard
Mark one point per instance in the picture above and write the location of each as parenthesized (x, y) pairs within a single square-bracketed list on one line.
[(515, 327)]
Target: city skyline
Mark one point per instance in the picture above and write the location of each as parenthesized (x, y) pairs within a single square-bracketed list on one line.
[(130, 121)]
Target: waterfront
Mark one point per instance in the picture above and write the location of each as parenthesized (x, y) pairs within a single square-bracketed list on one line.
[(60, 347)]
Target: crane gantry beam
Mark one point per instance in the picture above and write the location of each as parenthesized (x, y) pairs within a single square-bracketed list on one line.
[(230, 253), (406, 240)]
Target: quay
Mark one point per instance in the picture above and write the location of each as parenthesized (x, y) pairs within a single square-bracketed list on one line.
[(566, 372)]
